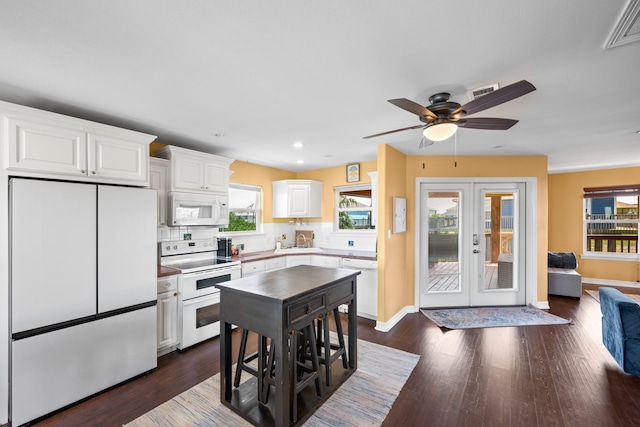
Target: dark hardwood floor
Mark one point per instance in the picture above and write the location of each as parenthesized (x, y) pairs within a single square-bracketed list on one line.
[(524, 376)]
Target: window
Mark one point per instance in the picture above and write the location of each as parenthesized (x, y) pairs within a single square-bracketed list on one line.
[(354, 207), (244, 208), (611, 220)]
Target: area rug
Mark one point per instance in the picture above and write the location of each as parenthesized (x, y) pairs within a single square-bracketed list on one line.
[(363, 400), (596, 296), (491, 317)]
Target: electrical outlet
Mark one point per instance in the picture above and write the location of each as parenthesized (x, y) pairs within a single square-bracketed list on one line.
[(284, 236), (350, 242)]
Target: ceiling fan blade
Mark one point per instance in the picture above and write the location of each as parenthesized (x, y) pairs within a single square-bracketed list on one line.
[(425, 143), (392, 131), (498, 97), (413, 107), (488, 123)]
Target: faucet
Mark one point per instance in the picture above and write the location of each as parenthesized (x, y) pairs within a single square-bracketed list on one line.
[(298, 240)]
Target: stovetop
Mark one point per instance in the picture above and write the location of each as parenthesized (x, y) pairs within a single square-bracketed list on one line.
[(192, 255)]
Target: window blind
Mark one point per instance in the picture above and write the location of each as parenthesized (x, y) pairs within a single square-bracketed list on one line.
[(613, 191)]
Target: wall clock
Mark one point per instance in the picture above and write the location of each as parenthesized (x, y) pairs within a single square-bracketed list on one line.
[(399, 214)]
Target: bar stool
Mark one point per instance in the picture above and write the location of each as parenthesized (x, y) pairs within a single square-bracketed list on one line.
[(325, 346), (244, 360), (303, 345)]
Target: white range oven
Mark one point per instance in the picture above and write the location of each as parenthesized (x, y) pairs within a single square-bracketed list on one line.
[(198, 298)]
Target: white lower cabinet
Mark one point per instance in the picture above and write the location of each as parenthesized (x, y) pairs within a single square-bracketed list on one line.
[(253, 267), (293, 260), (275, 263), (325, 261), (167, 334)]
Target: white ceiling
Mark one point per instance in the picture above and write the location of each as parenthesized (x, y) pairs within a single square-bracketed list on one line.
[(268, 74)]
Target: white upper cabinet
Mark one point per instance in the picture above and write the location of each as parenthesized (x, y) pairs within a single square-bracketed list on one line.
[(50, 145), (297, 198), (195, 171), (158, 180)]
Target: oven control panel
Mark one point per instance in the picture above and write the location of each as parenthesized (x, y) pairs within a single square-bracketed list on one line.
[(180, 247)]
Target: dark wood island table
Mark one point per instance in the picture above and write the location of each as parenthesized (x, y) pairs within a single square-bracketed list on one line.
[(273, 304)]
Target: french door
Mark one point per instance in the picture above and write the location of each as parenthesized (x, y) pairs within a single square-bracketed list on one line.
[(472, 244)]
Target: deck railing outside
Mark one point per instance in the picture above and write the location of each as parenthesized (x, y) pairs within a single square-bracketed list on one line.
[(613, 233)]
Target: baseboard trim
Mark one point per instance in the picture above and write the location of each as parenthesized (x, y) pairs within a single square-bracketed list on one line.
[(386, 326), (607, 282)]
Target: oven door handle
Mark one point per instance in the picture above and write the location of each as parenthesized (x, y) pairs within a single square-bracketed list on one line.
[(203, 300)]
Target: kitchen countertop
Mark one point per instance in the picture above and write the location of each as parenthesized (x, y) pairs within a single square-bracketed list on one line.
[(167, 271), (340, 253), (257, 256)]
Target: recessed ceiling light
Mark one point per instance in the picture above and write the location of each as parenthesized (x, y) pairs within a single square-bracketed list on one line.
[(300, 162), (298, 144)]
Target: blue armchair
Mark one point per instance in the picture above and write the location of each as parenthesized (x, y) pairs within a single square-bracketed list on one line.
[(621, 328)]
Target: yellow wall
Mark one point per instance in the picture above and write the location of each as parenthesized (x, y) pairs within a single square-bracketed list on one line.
[(249, 173), (475, 167), (566, 207), (333, 177), (395, 288)]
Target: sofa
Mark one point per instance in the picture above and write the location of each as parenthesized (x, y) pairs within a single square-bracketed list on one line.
[(621, 328), (562, 276)]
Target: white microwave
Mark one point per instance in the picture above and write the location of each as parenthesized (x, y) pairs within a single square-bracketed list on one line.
[(198, 209)]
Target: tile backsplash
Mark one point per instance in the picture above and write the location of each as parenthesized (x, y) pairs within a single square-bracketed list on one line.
[(323, 236)]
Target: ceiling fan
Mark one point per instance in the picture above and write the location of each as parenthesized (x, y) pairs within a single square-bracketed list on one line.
[(441, 118)]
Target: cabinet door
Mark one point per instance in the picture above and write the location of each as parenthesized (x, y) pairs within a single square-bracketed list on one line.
[(167, 319), (158, 175), (216, 177), (188, 174), (298, 201), (275, 263), (294, 260), (255, 267), (119, 159), (47, 148), (325, 261)]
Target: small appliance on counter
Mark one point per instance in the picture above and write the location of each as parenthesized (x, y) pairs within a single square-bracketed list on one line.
[(224, 247)]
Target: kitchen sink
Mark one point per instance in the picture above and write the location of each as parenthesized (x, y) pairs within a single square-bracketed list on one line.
[(296, 250)]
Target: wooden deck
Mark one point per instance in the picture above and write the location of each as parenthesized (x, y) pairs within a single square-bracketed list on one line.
[(444, 276)]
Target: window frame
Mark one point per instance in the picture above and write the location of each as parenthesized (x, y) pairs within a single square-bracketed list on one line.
[(257, 210), (337, 209), (607, 220)]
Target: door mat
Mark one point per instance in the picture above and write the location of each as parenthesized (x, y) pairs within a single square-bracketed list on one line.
[(596, 296), (492, 317), (364, 399)]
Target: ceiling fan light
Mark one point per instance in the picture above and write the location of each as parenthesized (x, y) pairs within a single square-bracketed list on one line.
[(440, 131)]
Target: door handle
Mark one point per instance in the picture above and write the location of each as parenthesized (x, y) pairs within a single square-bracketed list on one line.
[(476, 251)]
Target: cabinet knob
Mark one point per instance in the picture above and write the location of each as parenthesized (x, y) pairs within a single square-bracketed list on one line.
[(175, 294), (93, 172), (83, 171)]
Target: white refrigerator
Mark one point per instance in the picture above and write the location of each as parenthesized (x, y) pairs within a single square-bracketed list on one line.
[(83, 291)]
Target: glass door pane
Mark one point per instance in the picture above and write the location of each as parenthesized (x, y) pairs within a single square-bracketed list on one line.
[(499, 252), (444, 235), (444, 245)]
